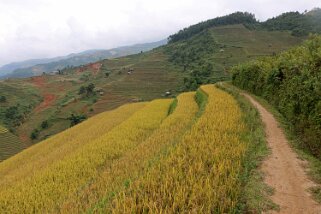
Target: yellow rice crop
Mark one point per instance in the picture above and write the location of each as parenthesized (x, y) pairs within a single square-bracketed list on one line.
[(46, 190), (201, 175), (3, 130), (115, 177), (63, 144)]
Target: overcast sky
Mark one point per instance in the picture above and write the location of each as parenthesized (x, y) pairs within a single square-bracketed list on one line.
[(47, 28)]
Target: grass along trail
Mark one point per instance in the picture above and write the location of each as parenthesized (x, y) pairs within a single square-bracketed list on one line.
[(284, 171)]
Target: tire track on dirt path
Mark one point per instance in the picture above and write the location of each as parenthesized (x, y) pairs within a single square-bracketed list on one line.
[(284, 171)]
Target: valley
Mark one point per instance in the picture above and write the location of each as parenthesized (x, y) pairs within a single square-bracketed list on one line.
[(224, 118), (154, 74)]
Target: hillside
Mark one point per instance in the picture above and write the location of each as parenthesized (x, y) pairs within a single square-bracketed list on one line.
[(38, 66), (299, 24), (9, 143), (201, 151), (291, 82), (225, 118), (137, 157), (51, 103), (208, 56)]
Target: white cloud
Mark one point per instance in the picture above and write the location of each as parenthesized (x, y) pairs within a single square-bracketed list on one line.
[(47, 28)]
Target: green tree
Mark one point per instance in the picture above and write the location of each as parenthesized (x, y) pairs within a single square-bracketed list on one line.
[(3, 99), (75, 119), (35, 134), (82, 90), (90, 88), (44, 124)]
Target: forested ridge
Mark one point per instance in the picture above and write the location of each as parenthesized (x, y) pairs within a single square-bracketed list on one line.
[(300, 24), (234, 18)]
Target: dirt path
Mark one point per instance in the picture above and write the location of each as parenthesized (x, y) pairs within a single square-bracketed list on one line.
[(284, 171)]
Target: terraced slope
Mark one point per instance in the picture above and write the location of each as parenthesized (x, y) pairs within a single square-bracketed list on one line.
[(201, 174), (166, 155), (46, 189), (9, 144), (117, 176), (64, 144)]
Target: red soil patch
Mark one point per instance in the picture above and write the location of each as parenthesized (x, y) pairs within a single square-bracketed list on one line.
[(84, 109), (93, 67), (39, 81), (49, 99), (23, 137), (61, 88), (80, 70)]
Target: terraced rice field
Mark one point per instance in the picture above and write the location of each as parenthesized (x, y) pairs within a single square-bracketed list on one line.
[(9, 144), (201, 172), (168, 155)]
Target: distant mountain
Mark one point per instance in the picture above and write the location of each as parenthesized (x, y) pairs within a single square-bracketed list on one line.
[(38, 66), (8, 68)]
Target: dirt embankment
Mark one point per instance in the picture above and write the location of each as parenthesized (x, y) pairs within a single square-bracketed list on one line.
[(48, 98)]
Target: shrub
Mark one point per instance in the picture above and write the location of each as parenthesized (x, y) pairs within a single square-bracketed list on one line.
[(290, 82)]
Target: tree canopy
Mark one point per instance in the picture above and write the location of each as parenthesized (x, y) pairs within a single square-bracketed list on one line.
[(234, 18)]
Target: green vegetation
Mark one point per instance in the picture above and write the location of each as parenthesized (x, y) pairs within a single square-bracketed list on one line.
[(234, 18), (204, 56), (88, 90), (172, 106), (9, 144), (34, 134), (44, 124), (75, 119), (208, 56), (14, 107), (64, 64), (300, 24), (3, 99), (314, 164), (192, 55), (201, 100), (290, 82), (255, 197)]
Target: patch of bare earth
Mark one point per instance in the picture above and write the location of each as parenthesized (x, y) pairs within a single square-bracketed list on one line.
[(49, 100), (284, 171)]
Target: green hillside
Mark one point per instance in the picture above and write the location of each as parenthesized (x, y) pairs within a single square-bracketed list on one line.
[(208, 56), (299, 24), (38, 66), (160, 132), (54, 102)]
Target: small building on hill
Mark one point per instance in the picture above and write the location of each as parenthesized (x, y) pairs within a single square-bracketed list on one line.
[(100, 91)]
